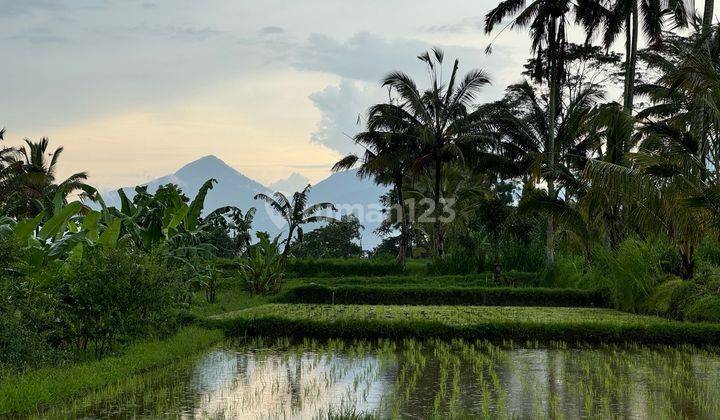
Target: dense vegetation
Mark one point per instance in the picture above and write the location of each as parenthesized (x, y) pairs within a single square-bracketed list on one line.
[(581, 200)]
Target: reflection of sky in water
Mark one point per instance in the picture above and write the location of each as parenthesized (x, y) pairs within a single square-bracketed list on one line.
[(272, 385), (470, 381)]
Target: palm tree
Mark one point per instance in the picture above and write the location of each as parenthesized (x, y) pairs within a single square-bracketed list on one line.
[(296, 213), (666, 187), (35, 182), (436, 118), (547, 21), (519, 123), (624, 16), (389, 154)]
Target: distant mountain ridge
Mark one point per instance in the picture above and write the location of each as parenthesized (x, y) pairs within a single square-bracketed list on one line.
[(344, 189), (295, 182)]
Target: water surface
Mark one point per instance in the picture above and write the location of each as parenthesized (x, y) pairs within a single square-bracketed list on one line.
[(411, 379)]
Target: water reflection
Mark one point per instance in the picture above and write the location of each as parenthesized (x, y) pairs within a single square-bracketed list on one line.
[(280, 379)]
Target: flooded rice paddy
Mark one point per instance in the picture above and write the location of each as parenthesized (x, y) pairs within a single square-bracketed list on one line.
[(412, 379)]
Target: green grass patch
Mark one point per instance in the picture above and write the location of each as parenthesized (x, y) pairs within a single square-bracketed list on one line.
[(511, 278), (441, 295), (585, 325), (231, 297), (35, 391)]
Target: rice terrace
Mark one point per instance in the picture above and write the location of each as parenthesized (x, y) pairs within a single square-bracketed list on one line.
[(360, 210)]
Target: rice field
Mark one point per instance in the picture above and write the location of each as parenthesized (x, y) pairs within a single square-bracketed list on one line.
[(282, 378)]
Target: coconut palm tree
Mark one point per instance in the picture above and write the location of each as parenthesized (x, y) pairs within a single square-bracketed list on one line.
[(436, 118), (521, 130), (389, 154), (296, 213), (614, 18), (35, 182), (547, 21)]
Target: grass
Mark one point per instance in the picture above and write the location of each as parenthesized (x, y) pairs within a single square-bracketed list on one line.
[(228, 299), (543, 324), (39, 390), (382, 294)]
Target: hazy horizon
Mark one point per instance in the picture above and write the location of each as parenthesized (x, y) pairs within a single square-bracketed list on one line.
[(135, 89)]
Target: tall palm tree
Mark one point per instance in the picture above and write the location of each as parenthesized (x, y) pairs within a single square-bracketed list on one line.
[(547, 21), (296, 213), (618, 16), (389, 154), (436, 118), (519, 123)]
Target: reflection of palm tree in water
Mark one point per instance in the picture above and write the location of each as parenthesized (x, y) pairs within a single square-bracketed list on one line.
[(295, 383)]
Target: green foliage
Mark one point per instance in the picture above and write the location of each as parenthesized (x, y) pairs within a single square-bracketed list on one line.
[(573, 325), (331, 267), (337, 239), (629, 272), (663, 300), (262, 271), (115, 295), (442, 295), (705, 309), (565, 271), (31, 392)]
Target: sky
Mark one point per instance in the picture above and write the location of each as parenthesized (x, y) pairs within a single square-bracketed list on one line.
[(134, 89)]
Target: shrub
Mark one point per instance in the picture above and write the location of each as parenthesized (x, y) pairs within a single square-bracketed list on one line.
[(114, 295), (28, 312), (428, 295), (262, 272), (663, 300), (704, 309), (460, 260), (339, 267), (565, 271), (630, 272)]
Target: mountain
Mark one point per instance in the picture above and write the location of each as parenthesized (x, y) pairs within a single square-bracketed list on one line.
[(295, 182), (344, 189)]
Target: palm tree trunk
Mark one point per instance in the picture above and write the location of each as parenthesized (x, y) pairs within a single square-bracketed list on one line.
[(554, 81), (631, 28), (708, 15), (438, 236), (403, 221), (286, 251), (687, 261)]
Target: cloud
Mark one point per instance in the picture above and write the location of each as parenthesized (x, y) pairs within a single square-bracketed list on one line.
[(468, 24), (13, 8), (362, 57), (180, 32), (271, 30), (39, 35), (342, 109)]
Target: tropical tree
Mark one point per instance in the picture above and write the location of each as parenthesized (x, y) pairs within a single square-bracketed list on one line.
[(435, 118), (521, 131), (228, 229), (547, 21), (296, 213), (34, 181), (615, 17), (390, 150)]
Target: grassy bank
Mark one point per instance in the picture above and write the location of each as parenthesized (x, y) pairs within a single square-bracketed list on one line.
[(442, 295), (477, 322), (35, 391)]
